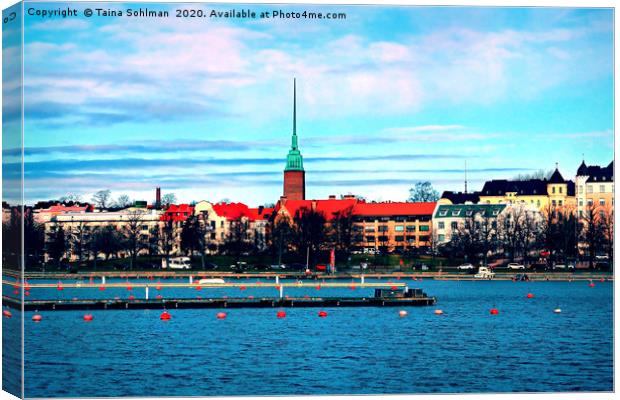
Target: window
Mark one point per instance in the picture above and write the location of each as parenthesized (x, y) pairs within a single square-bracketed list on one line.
[(411, 228), (538, 203), (221, 224), (383, 238), (560, 189), (553, 189), (590, 202), (424, 228), (370, 238), (399, 238), (456, 212), (469, 213), (369, 229), (560, 203), (553, 203), (454, 225), (601, 188), (399, 228), (590, 189), (213, 235), (580, 203), (383, 228), (443, 213), (580, 188), (441, 238), (440, 225), (144, 227), (495, 212), (580, 214), (601, 202), (424, 238)]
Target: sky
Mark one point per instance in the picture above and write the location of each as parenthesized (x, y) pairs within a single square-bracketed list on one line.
[(385, 98)]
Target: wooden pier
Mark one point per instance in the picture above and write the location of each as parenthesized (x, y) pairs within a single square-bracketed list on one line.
[(184, 303)]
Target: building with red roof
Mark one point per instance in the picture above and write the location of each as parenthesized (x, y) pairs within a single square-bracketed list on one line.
[(388, 226), (177, 213)]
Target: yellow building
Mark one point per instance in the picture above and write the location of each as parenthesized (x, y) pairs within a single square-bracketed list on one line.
[(541, 193), (595, 188)]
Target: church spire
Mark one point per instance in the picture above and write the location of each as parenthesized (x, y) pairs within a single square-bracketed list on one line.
[(294, 139), (294, 160)]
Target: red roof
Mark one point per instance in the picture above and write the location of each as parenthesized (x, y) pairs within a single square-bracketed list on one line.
[(328, 207), (360, 208), (58, 208), (395, 208), (260, 213), (177, 212), (232, 211)]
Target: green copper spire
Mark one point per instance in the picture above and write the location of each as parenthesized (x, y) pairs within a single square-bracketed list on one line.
[(294, 160)]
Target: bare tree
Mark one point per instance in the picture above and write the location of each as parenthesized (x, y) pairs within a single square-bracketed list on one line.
[(168, 199), (102, 199), (133, 242), (123, 201), (592, 232), (168, 237)]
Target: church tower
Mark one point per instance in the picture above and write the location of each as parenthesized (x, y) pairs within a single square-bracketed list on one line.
[(294, 174)]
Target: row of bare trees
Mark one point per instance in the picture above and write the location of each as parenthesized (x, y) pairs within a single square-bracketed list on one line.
[(522, 233)]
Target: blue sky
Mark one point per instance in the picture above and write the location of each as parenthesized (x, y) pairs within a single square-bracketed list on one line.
[(387, 97)]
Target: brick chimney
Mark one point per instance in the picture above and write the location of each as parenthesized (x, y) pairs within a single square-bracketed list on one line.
[(157, 198)]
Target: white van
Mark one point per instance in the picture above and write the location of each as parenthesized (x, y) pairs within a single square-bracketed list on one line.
[(176, 263)]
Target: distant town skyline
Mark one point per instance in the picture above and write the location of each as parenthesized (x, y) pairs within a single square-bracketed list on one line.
[(385, 98)]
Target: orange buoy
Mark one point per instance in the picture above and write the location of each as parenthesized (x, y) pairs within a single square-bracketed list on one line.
[(158, 287), (530, 296), (132, 297), (322, 314), (281, 314), (129, 287), (165, 316), (37, 318), (318, 287), (102, 288), (277, 287), (242, 287), (352, 287), (59, 287), (494, 311), (393, 288), (221, 315), (198, 287), (158, 297), (88, 317), (7, 313), (27, 287), (26, 293), (438, 312), (402, 313)]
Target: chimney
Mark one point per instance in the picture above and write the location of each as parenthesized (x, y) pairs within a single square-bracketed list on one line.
[(332, 197), (260, 209), (157, 198)]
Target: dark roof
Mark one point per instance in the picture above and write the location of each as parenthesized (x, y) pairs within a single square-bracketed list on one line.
[(597, 173), (570, 188), (556, 177), (468, 210), (460, 197), (500, 187)]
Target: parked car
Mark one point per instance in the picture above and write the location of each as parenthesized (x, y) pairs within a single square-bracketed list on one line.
[(278, 266), (465, 266), (564, 266), (484, 273), (176, 263), (239, 266), (321, 267), (261, 267), (515, 266)]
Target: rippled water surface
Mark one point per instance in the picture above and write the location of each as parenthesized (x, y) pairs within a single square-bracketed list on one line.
[(354, 350)]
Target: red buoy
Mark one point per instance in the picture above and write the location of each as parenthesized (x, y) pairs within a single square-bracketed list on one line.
[(530, 296), (158, 287), (129, 287), (281, 314), (198, 287), (591, 284), (322, 314), (318, 287), (393, 288), (102, 288), (165, 316), (250, 297), (494, 311), (242, 287), (59, 287), (37, 318), (27, 287), (26, 293), (132, 297), (602, 280), (7, 313), (306, 296), (88, 317), (15, 292), (221, 315), (158, 297), (352, 287)]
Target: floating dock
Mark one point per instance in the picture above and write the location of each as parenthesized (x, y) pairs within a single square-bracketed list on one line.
[(184, 303)]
